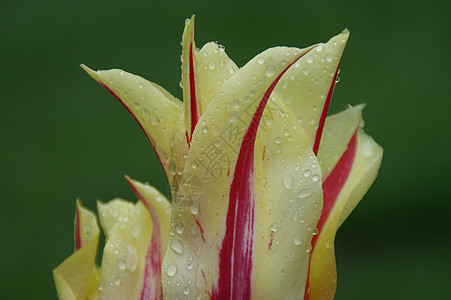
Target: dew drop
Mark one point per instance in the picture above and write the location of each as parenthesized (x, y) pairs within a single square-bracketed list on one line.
[(179, 227), (304, 193), (117, 281), (315, 177), (297, 240), (186, 290), (171, 270), (307, 173), (233, 116), (194, 164), (320, 48), (172, 166), (329, 57), (205, 129), (277, 140), (136, 230), (121, 264), (212, 65), (177, 246), (270, 71), (140, 85), (288, 181), (132, 258), (261, 60), (310, 59), (274, 227), (190, 266)]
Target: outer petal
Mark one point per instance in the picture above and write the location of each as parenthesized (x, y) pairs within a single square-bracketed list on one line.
[(77, 277), (128, 229), (159, 114), (365, 165), (160, 211), (289, 191), (216, 174), (203, 72), (214, 67)]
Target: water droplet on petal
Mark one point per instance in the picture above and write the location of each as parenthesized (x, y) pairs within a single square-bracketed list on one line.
[(315, 177), (233, 116), (171, 270), (277, 140), (274, 227), (307, 173), (261, 60), (186, 290), (179, 227), (212, 65), (270, 71), (288, 181), (297, 240), (136, 230), (304, 193), (177, 246), (121, 264)]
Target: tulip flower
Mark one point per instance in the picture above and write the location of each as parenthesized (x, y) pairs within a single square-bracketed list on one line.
[(260, 180)]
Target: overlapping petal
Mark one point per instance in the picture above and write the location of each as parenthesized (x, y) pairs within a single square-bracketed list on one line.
[(350, 160), (77, 278)]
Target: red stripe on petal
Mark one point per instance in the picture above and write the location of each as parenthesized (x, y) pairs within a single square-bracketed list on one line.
[(332, 186), (235, 256), (78, 243), (322, 120), (151, 287), (192, 90)]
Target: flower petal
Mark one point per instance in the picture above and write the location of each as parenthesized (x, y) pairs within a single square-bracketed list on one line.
[(344, 186), (203, 72), (217, 175), (289, 192), (213, 68), (77, 277), (128, 230), (159, 114), (160, 211), (189, 79)]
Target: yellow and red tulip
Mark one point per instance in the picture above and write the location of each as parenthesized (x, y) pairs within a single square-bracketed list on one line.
[(261, 181)]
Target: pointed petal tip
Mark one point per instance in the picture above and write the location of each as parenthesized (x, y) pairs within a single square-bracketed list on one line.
[(95, 75)]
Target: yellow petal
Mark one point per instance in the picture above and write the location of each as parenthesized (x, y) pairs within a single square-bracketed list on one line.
[(159, 114), (127, 228), (213, 68), (338, 131), (189, 80), (289, 176), (77, 277), (364, 170), (158, 206), (202, 201)]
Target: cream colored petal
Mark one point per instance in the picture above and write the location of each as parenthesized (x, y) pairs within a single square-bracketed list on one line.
[(128, 229), (338, 131), (158, 206), (213, 68), (323, 276), (306, 89), (156, 110), (77, 277), (201, 205)]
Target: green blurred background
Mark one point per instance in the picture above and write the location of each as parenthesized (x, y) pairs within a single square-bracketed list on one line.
[(64, 137)]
